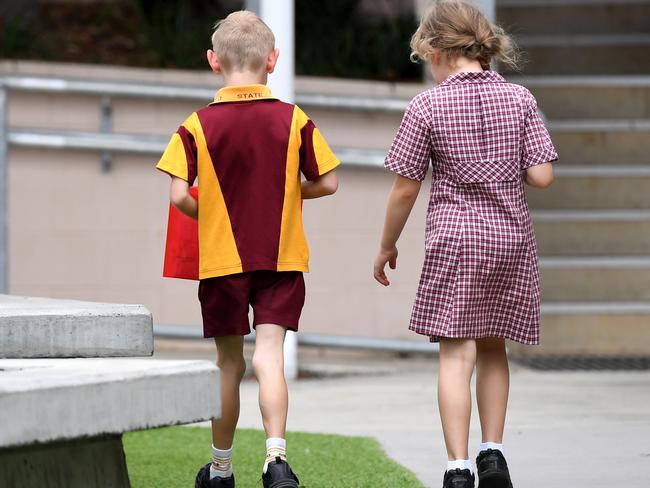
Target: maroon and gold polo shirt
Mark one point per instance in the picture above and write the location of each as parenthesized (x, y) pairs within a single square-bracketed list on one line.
[(248, 150)]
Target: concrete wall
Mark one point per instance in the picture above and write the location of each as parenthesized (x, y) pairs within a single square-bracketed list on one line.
[(76, 232)]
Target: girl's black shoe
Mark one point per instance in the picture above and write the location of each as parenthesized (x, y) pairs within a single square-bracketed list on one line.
[(492, 470), (458, 478), (279, 475), (203, 479)]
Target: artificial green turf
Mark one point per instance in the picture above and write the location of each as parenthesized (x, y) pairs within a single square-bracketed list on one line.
[(170, 458)]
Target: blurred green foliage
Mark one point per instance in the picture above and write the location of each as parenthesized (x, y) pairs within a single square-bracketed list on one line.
[(337, 38), (178, 32), (333, 37)]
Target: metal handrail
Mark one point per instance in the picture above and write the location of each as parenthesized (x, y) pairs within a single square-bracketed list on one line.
[(185, 93), (147, 144), (180, 332)]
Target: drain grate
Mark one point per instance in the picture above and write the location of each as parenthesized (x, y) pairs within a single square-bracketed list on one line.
[(584, 363)]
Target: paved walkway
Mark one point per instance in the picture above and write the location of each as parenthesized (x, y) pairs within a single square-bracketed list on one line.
[(565, 429)]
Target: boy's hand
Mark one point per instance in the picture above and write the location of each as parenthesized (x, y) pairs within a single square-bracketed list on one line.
[(385, 256)]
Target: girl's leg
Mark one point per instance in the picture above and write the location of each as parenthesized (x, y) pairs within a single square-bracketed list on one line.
[(268, 364), (492, 385), (457, 360), (230, 359)]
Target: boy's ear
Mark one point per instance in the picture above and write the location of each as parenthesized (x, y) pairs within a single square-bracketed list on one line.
[(272, 60), (213, 61)]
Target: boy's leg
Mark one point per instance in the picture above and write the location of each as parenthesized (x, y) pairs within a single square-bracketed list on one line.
[(492, 386), (268, 364), (230, 359), (457, 360)]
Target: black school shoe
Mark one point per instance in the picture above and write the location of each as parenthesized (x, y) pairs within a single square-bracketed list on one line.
[(279, 475), (492, 470), (203, 479), (458, 478)]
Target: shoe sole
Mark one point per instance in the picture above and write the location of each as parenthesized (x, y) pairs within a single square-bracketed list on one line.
[(494, 480)]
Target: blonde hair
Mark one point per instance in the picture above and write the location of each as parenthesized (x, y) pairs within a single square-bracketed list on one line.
[(242, 41), (459, 28)]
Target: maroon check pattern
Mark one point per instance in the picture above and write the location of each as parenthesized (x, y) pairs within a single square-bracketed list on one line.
[(480, 276)]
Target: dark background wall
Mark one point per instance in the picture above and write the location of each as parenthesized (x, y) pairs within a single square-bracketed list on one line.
[(341, 38)]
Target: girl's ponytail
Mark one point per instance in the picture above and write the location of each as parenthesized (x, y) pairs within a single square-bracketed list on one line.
[(459, 28)]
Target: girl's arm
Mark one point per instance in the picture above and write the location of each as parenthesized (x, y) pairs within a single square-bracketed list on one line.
[(322, 186), (179, 195), (400, 203), (540, 175)]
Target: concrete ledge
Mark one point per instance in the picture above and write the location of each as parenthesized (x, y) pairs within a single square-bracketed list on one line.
[(45, 400), (43, 327)]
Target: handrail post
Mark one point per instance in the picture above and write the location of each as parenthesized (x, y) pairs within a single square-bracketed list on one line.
[(279, 16), (4, 174), (106, 127)]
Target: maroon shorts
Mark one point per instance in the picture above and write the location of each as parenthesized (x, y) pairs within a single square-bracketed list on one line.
[(277, 297)]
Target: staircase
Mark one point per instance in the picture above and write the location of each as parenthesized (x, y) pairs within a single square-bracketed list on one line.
[(580, 36), (593, 224)]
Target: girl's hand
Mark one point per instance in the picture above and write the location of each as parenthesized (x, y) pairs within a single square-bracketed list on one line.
[(385, 256)]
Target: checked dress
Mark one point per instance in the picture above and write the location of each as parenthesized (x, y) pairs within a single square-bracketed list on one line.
[(480, 276)]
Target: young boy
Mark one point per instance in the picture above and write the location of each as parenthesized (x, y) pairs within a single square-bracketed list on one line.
[(248, 150)]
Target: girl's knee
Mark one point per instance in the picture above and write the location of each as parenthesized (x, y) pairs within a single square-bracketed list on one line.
[(458, 349), (491, 345)]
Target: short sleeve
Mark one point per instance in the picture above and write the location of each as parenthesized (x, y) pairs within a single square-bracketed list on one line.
[(537, 147), (316, 157), (410, 153), (180, 156)]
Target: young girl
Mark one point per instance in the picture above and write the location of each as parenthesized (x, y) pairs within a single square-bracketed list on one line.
[(480, 282)]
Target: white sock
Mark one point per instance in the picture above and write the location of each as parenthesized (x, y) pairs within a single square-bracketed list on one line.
[(275, 446), (460, 464), (491, 445), (221, 463)]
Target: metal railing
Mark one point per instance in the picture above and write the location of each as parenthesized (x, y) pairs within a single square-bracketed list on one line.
[(107, 143), (185, 93), (314, 340)]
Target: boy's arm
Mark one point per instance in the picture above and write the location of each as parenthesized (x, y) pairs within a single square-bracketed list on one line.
[(400, 203), (179, 195), (322, 186)]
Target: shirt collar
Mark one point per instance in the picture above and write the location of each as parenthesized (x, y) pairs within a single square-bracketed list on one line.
[(466, 77), (243, 93)]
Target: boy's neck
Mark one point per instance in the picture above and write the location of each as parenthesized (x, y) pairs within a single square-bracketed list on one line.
[(245, 78)]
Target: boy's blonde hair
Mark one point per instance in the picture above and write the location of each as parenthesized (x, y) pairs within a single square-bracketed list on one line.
[(242, 41), (459, 28)]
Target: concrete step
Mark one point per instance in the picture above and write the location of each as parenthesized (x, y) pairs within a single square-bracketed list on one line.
[(593, 279), (43, 327), (594, 187), (580, 36), (615, 55), (602, 141), (47, 400), (593, 232), (614, 329), (532, 17), (590, 97)]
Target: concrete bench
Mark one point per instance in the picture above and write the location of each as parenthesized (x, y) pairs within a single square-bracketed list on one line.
[(62, 419)]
